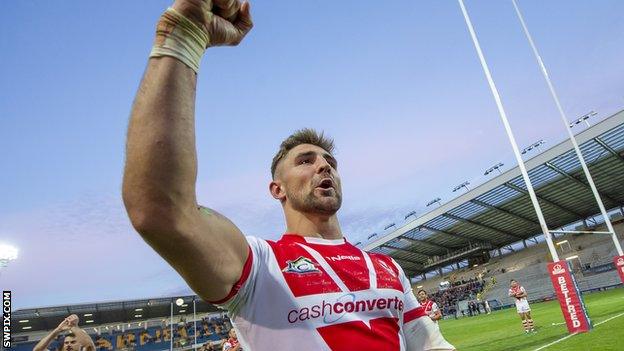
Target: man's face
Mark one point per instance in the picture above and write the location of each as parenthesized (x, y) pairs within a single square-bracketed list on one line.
[(309, 179), (422, 296), (70, 344), (233, 333), (514, 283)]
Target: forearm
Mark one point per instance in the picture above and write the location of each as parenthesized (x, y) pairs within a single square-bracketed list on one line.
[(83, 338), (45, 342), (161, 162)]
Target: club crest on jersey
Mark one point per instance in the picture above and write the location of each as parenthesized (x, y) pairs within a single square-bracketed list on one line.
[(301, 265)]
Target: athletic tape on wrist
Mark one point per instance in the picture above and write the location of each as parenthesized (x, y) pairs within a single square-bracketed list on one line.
[(179, 37)]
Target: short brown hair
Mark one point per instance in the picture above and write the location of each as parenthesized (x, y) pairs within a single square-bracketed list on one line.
[(301, 136)]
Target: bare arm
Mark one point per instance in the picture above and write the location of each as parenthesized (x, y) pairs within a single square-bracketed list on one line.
[(83, 338), (161, 169), (43, 344)]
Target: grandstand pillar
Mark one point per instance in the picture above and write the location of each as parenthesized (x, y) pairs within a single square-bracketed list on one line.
[(171, 328), (500, 253), (194, 325), (524, 243)]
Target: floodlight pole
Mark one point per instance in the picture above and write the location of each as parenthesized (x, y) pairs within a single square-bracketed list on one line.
[(564, 119), (512, 140)]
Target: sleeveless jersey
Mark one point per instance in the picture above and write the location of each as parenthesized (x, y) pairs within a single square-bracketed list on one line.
[(312, 294)]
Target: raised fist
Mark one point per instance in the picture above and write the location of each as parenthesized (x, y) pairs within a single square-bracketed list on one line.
[(221, 31)]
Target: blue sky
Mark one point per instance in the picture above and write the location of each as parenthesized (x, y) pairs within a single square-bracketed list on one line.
[(398, 86)]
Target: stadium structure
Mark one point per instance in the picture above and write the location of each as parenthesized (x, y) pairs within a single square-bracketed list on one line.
[(492, 230), (488, 235), (142, 325)]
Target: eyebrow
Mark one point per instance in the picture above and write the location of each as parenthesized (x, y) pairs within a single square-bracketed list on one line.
[(326, 155)]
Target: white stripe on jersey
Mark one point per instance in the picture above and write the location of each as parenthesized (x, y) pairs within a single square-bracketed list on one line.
[(330, 271), (372, 274)]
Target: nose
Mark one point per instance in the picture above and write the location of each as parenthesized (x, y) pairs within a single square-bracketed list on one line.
[(324, 166)]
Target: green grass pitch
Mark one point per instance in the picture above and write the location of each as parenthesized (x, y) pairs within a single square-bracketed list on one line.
[(502, 330)]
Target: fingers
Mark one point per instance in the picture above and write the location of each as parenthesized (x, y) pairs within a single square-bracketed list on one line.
[(244, 22), (227, 9), (224, 32), (72, 320)]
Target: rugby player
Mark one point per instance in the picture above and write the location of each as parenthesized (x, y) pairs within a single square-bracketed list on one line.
[(310, 290), (75, 338), (522, 305), (231, 344), (431, 308)]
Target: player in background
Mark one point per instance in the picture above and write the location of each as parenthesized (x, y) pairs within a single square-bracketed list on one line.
[(431, 308), (522, 305), (76, 339), (231, 344)]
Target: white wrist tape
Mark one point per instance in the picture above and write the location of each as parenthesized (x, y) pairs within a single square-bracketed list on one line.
[(179, 37)]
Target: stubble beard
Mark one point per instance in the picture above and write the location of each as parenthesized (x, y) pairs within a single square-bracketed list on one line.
[(310, 203)]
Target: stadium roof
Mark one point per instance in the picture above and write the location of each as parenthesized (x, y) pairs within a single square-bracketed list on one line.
[(499, 212), (47, 318)]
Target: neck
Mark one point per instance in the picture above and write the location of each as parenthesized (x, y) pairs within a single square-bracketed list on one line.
[(312, 224)]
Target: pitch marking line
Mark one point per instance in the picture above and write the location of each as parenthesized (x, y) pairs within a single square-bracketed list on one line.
[(571, 335)]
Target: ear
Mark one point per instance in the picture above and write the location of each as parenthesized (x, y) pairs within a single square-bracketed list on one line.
[(275, 188)]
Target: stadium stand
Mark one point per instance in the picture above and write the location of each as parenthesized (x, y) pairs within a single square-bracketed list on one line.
[(490, 232), (593, 270), (117, 326)]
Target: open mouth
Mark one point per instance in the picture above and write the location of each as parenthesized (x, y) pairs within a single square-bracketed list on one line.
[(326, 183)]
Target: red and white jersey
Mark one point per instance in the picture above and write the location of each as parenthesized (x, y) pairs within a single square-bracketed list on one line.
[(312, 294), (230, 344), (518, 289), (430, 307)]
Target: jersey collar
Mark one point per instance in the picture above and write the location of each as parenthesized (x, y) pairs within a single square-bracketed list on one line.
[(312, 240)]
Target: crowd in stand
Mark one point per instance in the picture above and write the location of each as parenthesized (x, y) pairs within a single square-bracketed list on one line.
[(459, 291), (183, 335), (216, 329)]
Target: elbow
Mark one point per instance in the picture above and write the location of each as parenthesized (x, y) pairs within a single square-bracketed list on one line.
[(146, 214), (151, 220)]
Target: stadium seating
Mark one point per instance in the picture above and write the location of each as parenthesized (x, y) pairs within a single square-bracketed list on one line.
[(130, 339), (593, 269)]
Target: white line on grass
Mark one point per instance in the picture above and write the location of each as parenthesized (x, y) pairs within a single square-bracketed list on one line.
[(571, 335), (608, 319), (556, 341)]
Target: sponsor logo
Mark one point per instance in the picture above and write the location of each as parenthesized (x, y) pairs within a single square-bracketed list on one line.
[(342, 257), (301, 265), (558, 269), (332, 312), (570, 307), (6, 319)]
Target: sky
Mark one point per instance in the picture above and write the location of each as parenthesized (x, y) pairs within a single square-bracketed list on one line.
[(398, 86)]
